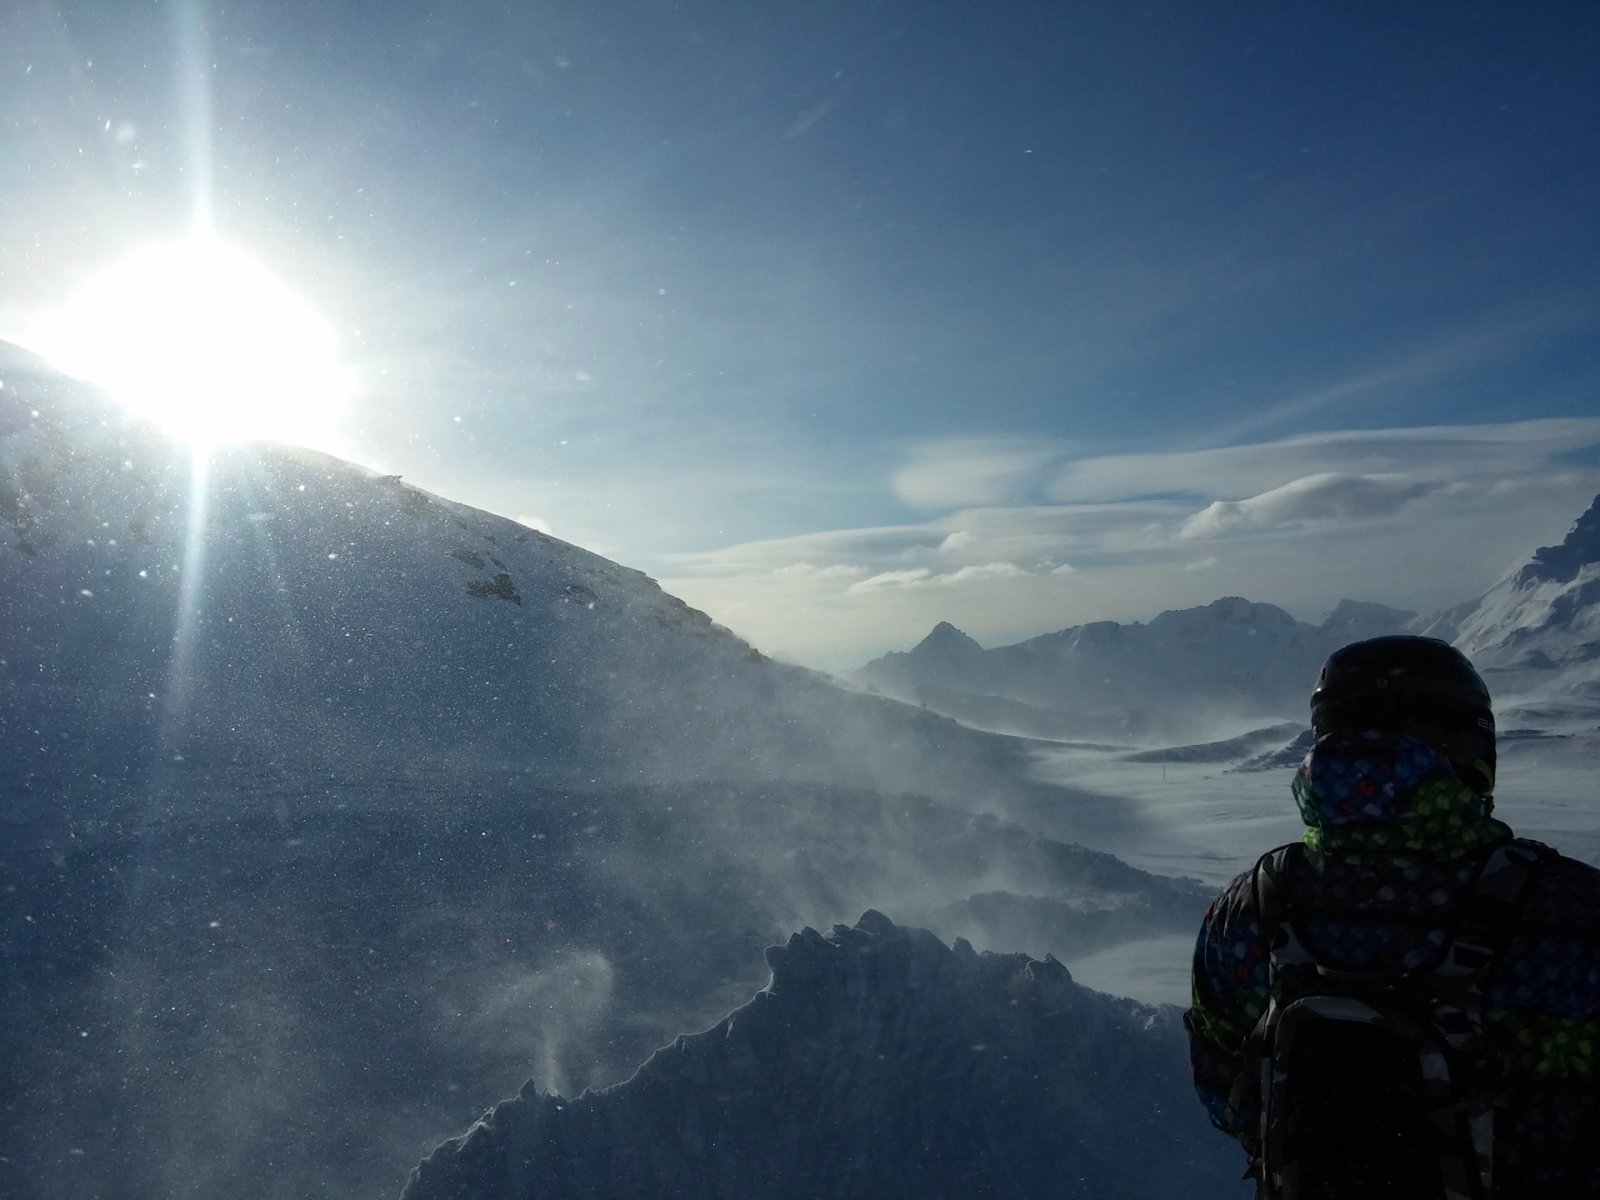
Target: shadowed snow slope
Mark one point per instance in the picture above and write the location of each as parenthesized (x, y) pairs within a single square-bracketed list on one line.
[(877, 1062), (275, 603), (333, 810)]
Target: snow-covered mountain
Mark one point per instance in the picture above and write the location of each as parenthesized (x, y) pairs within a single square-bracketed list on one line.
[(1233, 663), (335, 810), (877, 1062), (1186, 674), (279, 604), (1542, 617)]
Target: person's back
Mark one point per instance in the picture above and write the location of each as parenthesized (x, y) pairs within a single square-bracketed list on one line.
[(1383, 902)]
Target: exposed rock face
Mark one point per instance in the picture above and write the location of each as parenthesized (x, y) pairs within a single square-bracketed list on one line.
[(948, 645), (1579, 549), (878, 1062)]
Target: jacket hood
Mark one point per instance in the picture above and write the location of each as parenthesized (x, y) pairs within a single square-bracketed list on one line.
[(1390, 792)]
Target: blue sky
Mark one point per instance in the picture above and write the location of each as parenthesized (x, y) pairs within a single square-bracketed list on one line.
[(844, 318)]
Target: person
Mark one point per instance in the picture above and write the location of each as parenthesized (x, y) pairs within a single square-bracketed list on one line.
[(1389, 890)]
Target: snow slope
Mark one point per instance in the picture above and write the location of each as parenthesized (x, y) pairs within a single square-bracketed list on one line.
[(1538, 628), (337, 810), (280, 606)]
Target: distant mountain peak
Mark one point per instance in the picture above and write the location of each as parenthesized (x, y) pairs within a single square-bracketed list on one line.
[(1178, 678), (946, 640), (1365, 618), (1561, 564), (1228, 612), (1241, 609)]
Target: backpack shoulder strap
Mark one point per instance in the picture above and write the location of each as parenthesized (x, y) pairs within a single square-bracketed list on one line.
[(1270, 883), (1485, 919), (1492, 907)]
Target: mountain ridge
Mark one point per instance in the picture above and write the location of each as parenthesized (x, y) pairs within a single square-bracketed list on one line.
[(403, 617), (1176, 677), (931, 1086), (1541, 621), (1538, 627)]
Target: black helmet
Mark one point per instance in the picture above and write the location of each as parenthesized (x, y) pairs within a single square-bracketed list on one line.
[(1416, 685)]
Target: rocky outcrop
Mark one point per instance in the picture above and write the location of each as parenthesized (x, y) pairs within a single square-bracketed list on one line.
[(1562, 563), (877, 1062)]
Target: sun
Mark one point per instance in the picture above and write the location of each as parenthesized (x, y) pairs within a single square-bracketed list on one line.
[(207, 342)]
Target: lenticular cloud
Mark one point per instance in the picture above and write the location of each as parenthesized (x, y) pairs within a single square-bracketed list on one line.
[(1326, 497)]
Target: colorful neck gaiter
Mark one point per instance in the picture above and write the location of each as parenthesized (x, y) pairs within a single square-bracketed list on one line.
[(1389, 793)]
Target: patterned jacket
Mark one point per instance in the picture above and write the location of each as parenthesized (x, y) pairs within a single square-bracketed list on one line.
[(1394, 840)]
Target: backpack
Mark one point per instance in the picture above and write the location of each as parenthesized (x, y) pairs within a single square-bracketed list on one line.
[(1378, 1083)]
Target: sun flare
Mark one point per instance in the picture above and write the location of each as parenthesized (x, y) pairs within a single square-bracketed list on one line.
[(204, 340)]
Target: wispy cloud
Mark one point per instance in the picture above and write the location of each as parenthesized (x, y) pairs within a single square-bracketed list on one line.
[(892, 579), (1418, 518), (972, 472), (1487, 341), (1039, 537), (923, 577), (1236, 472), (1326, 497), (812, 571), (808, 118)]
